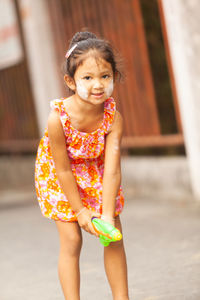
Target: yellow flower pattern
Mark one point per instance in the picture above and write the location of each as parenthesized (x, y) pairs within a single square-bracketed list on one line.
[(86, 154)]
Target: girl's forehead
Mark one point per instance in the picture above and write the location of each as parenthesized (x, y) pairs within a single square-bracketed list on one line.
[(94, 64)]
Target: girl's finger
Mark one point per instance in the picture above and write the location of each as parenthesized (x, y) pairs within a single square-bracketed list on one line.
[(89, 228), (92, 231)]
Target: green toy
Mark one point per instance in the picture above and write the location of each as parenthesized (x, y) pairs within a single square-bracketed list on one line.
[(107, 232)]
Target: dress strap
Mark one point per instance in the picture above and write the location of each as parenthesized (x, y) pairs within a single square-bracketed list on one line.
[(109, 114), (58, 105)]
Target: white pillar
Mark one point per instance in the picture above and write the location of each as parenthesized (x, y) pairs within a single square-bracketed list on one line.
[(182, 22), (41, 56)]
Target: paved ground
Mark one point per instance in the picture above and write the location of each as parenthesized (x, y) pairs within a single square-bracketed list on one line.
[(162, 243)]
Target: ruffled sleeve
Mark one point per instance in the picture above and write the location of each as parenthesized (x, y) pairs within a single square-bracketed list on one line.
[(109, 114), (58, 105)]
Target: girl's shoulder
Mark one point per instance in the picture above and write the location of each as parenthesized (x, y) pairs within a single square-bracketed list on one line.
[(117, 124)]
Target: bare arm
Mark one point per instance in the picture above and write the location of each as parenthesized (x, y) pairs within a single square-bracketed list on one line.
[(64, 172), (112, 167), (62, 163)]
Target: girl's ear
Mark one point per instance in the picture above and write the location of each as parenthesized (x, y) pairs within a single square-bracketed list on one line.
[(70, 82)]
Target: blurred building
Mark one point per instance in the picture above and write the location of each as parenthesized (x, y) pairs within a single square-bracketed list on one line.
[(43, 30)]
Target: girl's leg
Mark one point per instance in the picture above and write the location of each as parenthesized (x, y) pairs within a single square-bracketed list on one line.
[(68, 264), (116, 267)]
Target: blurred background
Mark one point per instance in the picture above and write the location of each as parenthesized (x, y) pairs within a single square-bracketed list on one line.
[(158, 95), (31, 73), (158, 43), (34, 37)]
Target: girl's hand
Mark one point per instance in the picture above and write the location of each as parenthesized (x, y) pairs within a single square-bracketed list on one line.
[(84, 221)]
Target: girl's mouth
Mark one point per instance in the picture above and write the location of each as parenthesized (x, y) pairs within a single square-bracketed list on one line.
[(98, 95)]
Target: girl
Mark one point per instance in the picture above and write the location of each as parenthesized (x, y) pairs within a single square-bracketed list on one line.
[(78, 162)]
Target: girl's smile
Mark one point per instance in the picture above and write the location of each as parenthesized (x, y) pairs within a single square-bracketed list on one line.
[(98, 95)]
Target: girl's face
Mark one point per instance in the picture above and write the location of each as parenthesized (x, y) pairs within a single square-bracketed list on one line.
[(94, 80)]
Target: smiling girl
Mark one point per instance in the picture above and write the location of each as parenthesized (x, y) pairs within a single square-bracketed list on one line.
[(77, 170)]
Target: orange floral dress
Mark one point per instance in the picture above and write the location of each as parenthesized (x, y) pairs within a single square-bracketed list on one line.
[(86, 154)]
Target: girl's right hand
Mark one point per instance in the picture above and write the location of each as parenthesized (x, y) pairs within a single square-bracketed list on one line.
[(84, 221)]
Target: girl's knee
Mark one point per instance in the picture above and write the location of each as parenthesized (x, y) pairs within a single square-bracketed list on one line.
[(72, 244), (116, 245), (70, 238)]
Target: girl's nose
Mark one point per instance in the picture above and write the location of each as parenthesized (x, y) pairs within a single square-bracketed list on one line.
[(97, 84)]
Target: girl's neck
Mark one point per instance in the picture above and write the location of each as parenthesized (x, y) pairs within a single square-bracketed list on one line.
[(86, 107)]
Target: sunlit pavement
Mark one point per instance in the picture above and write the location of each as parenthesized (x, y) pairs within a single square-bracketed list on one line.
[(162, 241)]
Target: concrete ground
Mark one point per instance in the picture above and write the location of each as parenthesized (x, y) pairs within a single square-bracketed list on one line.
[(162, 243), (161, 229)]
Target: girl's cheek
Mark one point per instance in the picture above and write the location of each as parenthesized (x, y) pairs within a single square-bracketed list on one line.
[(109, 88), (81, 90)]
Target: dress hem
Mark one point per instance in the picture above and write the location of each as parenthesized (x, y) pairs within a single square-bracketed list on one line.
[(74, 219)]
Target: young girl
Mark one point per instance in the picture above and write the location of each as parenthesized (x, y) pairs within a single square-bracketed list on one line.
[(78, 162)]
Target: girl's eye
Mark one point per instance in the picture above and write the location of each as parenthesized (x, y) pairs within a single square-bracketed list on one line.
[(106, 76), (87, 77)]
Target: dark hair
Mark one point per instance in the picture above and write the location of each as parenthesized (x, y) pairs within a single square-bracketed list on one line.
[(87, 41)]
